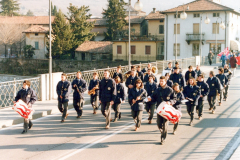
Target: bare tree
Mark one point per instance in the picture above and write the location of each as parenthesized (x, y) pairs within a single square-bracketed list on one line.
[(11, 33)]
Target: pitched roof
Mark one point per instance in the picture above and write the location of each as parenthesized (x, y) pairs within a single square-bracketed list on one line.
[(200, 5), (136, 19), (36, 29), (38, 20), (103, 22), (95, 47), (155, 15)]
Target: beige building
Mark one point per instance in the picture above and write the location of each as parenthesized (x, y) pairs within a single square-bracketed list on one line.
[(36, 37), (147, 39)]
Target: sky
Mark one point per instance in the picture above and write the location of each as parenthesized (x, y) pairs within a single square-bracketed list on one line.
[(40, 7)]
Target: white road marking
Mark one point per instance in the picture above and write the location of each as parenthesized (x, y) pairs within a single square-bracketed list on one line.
[(97, 140), (232, 149)]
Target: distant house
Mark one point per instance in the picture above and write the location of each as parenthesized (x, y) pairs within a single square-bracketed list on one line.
[(36, 37), (94, 50)]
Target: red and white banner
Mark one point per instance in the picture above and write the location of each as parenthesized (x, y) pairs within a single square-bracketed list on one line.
[(168, 112), (226, 51), (22, 109)]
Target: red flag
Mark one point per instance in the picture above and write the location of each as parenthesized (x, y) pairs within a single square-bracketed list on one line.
[(226, 51), (238, 59)]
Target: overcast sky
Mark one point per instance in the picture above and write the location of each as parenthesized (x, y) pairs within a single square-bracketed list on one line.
[(40, 7)]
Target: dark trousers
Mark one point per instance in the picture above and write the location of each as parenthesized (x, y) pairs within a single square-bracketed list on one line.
[(63, 107), (210, 61), (116, 108), (27, 123), (150, 110), (78, 106), (94, 101), (221, 96), (190, 110), (137, 115), (226, 92), (162, 124), (200, 108), (106, 111), (212, 102), (175, 126)]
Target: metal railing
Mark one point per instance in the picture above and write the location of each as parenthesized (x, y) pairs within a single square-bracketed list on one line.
[(161, 65), (9, 89), (140, 38)]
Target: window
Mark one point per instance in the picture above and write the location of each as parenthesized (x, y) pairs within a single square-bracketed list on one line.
[(216, 14), (36, 34), (83, 56), (178, 28), (195, 49), (133, 49), (195, 28), (176, 14), (213, 48), (119, 49), (161, 20), (36, 45), (215, 28), (195, 15), (178, 49), (147, 49), (161, 29)]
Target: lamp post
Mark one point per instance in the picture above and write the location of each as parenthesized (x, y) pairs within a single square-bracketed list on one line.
[(138, 7), (222, 25), (183, 16), (50, 52), (206, 21)]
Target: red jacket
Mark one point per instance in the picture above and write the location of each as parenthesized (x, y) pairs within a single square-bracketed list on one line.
[(233, 62)]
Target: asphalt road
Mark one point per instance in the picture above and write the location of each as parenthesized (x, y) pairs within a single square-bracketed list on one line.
[(213, 137)]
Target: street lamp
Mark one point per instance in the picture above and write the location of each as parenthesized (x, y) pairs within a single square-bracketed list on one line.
[(183, 16), (50, 52), (206, 21), (222, 25), (138, 7)]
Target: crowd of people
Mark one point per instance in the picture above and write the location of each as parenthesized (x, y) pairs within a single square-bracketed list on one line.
[(144, 92)]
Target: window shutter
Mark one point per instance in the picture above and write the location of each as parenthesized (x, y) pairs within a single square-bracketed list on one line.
[(147, 49), (133, 49), (119, 49)]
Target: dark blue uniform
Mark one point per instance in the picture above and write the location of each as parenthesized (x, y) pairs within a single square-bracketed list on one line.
[(162, 94), (94, 98), (137, 108), (121, 96), (189, 74), (204, 92), (224, 82), (176, 101), (146, 78), (130, 81), (63, 89), (150, 106), (193, 94), (140, 75), (228, 74), (29, 97), (169, 83), (78, 99), (214, 88), (119, 75), (177, 78), (107, 93)]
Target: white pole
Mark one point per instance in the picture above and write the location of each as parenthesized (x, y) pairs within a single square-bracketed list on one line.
[(50, 52), (176, 37), (129, 36), (201, 39)]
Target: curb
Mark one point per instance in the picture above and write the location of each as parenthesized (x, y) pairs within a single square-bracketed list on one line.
[(36, 115)]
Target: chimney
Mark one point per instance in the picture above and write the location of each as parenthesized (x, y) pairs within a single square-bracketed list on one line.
[(154, 10)]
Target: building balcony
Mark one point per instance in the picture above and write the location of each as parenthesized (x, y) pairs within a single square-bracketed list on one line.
[(194, 37), (140, 38)]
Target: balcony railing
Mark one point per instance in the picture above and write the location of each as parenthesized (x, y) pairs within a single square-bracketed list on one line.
[(140, 38), (194, 37)]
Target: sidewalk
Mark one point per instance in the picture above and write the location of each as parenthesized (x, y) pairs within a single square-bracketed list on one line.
[(9, 117)]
